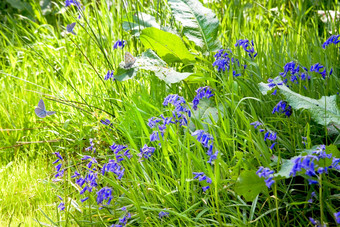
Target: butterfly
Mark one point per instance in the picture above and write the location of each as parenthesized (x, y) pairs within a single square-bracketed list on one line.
[(40, 111), (129, 60), (70, 28)]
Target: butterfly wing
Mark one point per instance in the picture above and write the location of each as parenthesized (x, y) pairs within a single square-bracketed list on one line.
[(129, 60), (40, 112), (50, 113), (70, 28), (41, 104)]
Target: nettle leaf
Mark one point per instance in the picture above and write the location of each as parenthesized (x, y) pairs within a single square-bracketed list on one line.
[(200, 24), (152, 62), (204, 113), (324, 110), (249, 185), (168, 46)]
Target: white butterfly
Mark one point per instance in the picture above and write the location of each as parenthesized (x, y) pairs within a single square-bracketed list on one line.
[(40, 111), (129, 60)]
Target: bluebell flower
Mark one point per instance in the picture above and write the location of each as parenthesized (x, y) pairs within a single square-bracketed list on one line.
[(205, 188), (267, 174), (114, 167), (146, 151), (72, 2), (109, 75), (83, 200), (213, 157), (337, 217), (106, 122), (154, 136), (119, 43), (92, 160), (317, 67), (256, 124), (331, 40), (311, 197), (60, 172), (163, 214), (104, 194), (61, 206), (247, 46), (91, 147), (224, 61), (202, 92), (312, 221), (152, 122), (125, 219), (284, 108)]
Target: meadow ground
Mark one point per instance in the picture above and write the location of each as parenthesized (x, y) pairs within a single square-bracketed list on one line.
[(170, 173)]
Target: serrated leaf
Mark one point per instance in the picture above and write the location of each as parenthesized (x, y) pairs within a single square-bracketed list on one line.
[(200, 24), (168, 46), (152, 62), (324, 110), (249, 185)]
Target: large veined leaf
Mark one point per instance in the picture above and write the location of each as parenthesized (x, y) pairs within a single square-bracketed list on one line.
[(249, 185), (152, 62), (200, 24), (324, 110), (140, 21), (205, 113), (168, 46)]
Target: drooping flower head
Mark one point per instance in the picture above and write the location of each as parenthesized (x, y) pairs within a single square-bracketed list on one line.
[(334, 39)]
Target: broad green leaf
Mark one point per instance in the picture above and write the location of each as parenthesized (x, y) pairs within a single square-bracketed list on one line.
[(168, 46), (139, 22), (200, 24), (324, 110), (20, 5), (204, 113), (151, 62), (249, 185)]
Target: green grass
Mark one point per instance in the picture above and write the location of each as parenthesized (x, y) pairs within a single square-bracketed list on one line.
[(37, 60)]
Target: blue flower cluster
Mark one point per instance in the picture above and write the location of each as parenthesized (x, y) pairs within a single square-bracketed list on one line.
[(294, 69), (207, 141), (91, 147), (247, 46), (337, 217), (163, 214), (104, 194), (146, 151), (202, 177), (283, 108), (114, 167), (267, 174), (200, 94), (123, 221), (76, 3), (109, 75), (313, 195), (268, 135), (90, 180), (60, 172), (119, 43), (317, 67), (179, 115), (310, 164), (117, 149), (334, 39), (223, 61), (106, 122), (61, 206)]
